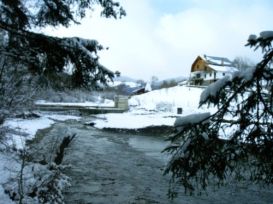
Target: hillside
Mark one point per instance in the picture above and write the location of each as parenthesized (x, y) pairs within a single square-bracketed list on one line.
[(155, 108), (168, 100)]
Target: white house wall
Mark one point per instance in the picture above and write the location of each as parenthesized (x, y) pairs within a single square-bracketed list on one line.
[(210, 75)]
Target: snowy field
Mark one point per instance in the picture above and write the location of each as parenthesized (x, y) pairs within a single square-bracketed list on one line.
[(154, 108)]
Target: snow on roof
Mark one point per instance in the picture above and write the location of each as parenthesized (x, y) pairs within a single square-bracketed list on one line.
[(223, 68), (217, 60)]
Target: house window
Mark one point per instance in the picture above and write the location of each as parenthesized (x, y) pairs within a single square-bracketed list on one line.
[(205, 75), (224, 74), (198, 75), (210, 74)]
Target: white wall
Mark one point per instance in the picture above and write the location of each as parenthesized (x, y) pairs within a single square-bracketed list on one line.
[(210, 76)]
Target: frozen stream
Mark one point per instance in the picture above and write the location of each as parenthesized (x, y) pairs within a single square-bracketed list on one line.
[(121, 168)]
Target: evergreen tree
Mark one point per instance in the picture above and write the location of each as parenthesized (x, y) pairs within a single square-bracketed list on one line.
[(234, 142), (48, 56)]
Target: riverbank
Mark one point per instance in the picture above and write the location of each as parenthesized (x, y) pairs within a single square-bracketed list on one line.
[(120, 166), (23, 130), (158, 131), (18, 132), (109, 167)]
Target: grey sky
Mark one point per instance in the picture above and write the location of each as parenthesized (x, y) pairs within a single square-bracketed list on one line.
[(162, 38)]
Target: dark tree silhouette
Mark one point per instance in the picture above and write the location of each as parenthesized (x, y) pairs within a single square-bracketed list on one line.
[(46, 55), (236, 141)]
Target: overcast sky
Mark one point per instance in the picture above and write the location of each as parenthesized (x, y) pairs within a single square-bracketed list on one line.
[(163, 37)]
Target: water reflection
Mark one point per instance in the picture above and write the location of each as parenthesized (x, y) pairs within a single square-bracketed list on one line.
[(151, 146)]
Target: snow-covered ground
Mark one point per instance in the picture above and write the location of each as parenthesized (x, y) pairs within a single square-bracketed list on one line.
[(27, 128), (131, 120), (168, 100), (24, 129), (154, 108)]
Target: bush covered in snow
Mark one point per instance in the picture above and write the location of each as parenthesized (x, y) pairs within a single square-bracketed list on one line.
[(42, 180), (38, 184)]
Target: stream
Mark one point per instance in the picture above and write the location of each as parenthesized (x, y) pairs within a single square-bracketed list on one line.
[(108, 167)]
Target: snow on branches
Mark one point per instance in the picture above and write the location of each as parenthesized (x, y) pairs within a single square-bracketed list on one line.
[(46, 55), (236, 139), (191, 119)]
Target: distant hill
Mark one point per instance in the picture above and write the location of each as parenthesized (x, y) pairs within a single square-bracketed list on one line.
[(176, 79), (124, 85), (124, 79), (168, 100), (160, 83), (127, 85)]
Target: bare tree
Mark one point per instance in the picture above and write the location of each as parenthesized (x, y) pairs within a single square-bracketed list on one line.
[(243, 63)]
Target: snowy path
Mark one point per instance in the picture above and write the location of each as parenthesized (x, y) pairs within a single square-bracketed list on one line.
[(114, 168)]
